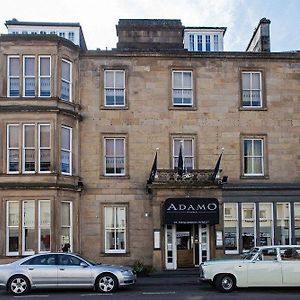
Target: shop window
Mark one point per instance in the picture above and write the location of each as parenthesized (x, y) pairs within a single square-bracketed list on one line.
[(114, 88), (66, 237), (297, 222), (13, 76), (66, 80), (22, 229), (115, 229), (248, 226), (231, 234), (182, 88), (283, 229), (66, 150), (114, 160), (266, 224), (253, 157), (188, 153), (252, 89)]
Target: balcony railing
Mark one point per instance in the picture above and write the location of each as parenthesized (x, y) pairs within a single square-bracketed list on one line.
[(192, 177)]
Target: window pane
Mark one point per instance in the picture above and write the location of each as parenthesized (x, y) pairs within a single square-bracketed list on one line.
[(257, 147), (65, 143), (247, 147), (29, 239), (13, 160), (188, 148), (266, 224), (256, 81), (199, 42), (44, 135), (120, 240), (109, 79), (109, 147), (45, 238), (297, 223), (30, 160), (110, 240), (13, 137), (66, 71), (29, 213), (65, 90), (45, 87), (45, 66), (177, 80), (29, 87), (187, 80), (246, 81), (65, 237), (29, 135), (14, 66), (246, 98), (121, 217), (13, 240), (257, 166), (248, 226), (65, 162), (44, 213), (65, 214), (109, 217), (29, 66), (44, 160), (14, 90), (283, 224), (230, 227), (13, 214), (119, 76), (119, 147)]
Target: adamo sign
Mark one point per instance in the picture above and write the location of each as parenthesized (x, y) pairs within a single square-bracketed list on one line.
[(191, 211)]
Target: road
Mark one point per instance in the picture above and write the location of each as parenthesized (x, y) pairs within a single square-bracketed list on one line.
[(157, 288)]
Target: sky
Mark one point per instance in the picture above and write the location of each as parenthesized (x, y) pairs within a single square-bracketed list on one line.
[(98, 17)]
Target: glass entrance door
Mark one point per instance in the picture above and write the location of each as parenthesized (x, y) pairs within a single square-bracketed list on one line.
[(170, 247), (201, 244)]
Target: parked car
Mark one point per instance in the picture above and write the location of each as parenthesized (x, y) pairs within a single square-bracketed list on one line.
[(262, 266), (63, 270)]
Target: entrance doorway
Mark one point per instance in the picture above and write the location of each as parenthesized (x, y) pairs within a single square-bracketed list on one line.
[(187, 245)]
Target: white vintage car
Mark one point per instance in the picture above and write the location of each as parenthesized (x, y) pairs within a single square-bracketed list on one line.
[(261, 266)]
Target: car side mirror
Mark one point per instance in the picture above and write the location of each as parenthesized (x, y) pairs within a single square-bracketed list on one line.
[(84, 265)]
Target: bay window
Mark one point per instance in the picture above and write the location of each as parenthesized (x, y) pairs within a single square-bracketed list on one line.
[(66, 80), (29, 148), (44, 223), (66, 150), (44, 145), (44, 76), (29, 76), (13, 148), (115, 229)]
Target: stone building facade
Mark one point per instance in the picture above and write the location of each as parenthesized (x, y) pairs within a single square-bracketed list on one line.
[(110, 111)]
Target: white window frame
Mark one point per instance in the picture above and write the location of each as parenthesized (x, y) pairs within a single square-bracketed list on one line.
[(216, 42), (44, 76), (67, 150), (115, 210), (290, 219), (181, 141), (70, 227), (40, 227), (182, 88), (28, 148), (251, 89), (253, 157), (114, 87), (24, 227), (16, 253), (199, 40), (207, 43), (105, 155), (235, 219), (11, 148), (25, 76), (9, 77), (192, 42), (69, 82), (43, 148)]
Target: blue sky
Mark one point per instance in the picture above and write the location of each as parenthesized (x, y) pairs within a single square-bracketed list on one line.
[(99, 17)]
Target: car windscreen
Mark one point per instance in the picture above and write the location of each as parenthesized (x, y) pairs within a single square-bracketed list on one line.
[(91, 262), (250, 254)]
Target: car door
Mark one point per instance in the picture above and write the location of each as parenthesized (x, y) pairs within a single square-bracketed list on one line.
[(265, 270), (42, 270), (73, 271), (290, 264)]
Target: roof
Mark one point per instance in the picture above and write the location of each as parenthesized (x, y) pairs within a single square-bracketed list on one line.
[(25, 23), (150, 22)]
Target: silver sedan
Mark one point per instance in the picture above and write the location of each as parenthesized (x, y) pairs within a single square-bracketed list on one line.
[(63, 270)]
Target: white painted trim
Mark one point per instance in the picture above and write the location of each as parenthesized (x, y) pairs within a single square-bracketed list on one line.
[(182, 88), (114, 87)]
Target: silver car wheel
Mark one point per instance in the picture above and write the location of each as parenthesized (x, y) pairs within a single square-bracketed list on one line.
[(227, 283), (106, 284), (18, 286)]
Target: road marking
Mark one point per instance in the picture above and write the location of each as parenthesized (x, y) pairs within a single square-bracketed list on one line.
[(95, 294), (159, 293), (32, 296)]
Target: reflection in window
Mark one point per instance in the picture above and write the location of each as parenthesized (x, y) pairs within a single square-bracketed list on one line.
[(28, 229), (115, 229), (231, 227), (187, 149), (248, 226), (283, 229), (44, 226), (266, 224)]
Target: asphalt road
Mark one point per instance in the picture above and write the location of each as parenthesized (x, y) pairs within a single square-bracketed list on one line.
[(177, 288)]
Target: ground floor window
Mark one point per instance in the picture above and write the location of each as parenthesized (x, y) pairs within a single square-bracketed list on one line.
[(66, 237), (115, 229), (26, 234), (247, 225)]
